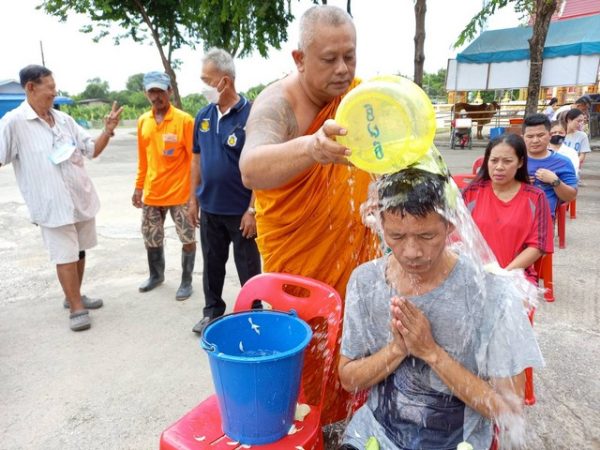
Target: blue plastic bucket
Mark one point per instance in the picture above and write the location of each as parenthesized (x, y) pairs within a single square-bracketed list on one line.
[(496, 132), (256, 363)]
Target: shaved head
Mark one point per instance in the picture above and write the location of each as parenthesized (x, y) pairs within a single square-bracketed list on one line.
[(320, 15)]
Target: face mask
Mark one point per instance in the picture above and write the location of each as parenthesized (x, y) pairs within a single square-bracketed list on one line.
[(557, 139), (211, 94)]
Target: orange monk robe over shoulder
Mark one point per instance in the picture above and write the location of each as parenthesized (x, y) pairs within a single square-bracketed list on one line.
[(312, 227)]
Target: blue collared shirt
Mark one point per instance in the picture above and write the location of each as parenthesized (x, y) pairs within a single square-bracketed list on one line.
[(219, 141)]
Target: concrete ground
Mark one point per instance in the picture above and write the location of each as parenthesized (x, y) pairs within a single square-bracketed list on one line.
[(139, 368)]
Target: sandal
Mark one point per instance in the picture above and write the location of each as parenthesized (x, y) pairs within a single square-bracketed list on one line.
[(80, 320), (88, 303)]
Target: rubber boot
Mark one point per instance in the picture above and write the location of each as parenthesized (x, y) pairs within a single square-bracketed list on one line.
[(156, 264), (187, 265)]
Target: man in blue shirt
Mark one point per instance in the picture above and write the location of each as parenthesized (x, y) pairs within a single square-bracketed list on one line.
[(548, 170), (219, 202)]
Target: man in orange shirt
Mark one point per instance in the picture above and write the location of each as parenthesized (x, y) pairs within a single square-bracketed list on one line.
[(165, 136), (307, 195)]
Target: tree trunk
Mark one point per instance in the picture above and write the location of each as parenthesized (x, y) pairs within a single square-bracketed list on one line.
[(420, 10), (165, 61), (543, 13)]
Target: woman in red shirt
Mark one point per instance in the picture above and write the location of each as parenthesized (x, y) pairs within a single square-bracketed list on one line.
[(512, 215)]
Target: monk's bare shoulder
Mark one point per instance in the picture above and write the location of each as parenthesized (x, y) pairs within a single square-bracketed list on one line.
[(272, 119)]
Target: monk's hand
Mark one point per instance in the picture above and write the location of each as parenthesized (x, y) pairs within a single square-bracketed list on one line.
[(324, 149), (248, 225), (414, 328)]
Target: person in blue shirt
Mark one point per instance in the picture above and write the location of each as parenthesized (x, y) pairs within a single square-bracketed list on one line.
[(219, 202), (548, 170)]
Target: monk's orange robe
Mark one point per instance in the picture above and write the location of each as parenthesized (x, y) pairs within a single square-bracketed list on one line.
[(312, 227)]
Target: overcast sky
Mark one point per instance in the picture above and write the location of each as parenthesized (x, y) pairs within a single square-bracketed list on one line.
[(385, 30)]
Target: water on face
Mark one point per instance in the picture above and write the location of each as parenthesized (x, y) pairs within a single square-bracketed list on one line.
[(466, 241)]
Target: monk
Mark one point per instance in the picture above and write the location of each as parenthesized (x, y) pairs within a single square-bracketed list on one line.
[(307, 195)]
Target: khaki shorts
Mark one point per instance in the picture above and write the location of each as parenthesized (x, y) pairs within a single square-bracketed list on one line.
[(64, 243), (153, 224)]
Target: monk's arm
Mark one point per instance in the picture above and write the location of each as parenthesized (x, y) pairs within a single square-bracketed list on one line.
[(273, 153)]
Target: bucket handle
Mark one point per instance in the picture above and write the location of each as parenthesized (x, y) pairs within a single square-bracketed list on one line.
[(212, 348)]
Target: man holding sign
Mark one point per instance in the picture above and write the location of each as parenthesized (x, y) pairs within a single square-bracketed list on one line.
[(47, 150)]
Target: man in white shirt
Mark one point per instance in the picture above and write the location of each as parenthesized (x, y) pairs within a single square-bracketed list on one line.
[(46, 148)]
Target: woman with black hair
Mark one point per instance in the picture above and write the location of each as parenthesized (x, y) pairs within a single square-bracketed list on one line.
[(512, 215), (576, 137)]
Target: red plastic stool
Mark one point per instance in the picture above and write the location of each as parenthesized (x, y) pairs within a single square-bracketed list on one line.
[(543, 266), (529, 392), (561, 223), (572, 207)]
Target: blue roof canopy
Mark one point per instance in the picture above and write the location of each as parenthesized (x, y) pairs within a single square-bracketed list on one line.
[(565, 38)]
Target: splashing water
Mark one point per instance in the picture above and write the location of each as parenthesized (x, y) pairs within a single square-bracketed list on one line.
[(466, 241)]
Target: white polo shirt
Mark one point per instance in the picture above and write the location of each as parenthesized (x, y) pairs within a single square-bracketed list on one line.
[(55, 194)]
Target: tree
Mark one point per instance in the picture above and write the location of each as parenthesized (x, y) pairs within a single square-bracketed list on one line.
[(96, 88), (420, 10), (434, 85), (238, 26), (541, 12), (135, 83), (253, 92)]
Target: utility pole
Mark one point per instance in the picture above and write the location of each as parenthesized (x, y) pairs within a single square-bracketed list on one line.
[(42, 52)]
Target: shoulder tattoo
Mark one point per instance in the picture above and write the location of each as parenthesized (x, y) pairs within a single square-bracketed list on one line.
[(271, 121)]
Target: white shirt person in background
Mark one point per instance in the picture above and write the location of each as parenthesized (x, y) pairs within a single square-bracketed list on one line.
[(576, 137), (46, 148)]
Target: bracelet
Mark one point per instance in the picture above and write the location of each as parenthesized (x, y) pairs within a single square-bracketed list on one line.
[(109, 133)]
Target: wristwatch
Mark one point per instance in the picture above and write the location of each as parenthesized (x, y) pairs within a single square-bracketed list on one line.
[(251, 210), (555, 183)]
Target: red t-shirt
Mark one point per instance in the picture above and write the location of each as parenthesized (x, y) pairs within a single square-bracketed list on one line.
[(511, 227)]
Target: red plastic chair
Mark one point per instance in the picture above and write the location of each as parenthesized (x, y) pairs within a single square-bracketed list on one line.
[(316, 303), (529, 391), (572, 208), (462, 180), (543, 266), (477, 165), (561, 224)]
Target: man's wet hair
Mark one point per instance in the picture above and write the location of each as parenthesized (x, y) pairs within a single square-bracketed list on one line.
[(33, 73), (412, 191), (534, 120)]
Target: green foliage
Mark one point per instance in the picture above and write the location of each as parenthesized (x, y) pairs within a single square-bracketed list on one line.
[(96, 88), (434, 85), (193, 103), (253, 92), (523, 7), (135, 83), (240, 26)]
